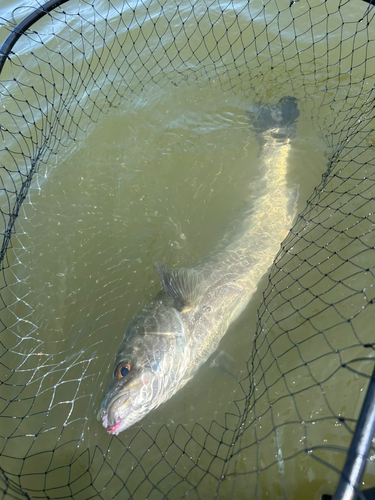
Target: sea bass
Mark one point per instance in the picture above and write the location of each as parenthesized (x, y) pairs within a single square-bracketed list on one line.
[(167, 342)]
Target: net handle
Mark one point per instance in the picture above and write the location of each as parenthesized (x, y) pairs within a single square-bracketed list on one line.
[(21, 27), (355, 463)]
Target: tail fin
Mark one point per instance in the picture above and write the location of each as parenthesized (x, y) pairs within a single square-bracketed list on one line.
[(278, 120)]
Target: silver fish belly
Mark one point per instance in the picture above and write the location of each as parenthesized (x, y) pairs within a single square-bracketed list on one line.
[(167, 342)]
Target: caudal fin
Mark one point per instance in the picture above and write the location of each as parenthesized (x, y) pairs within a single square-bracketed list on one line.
[(278, 120)]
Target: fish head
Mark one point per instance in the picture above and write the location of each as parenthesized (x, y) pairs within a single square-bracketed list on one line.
[(144, 370)]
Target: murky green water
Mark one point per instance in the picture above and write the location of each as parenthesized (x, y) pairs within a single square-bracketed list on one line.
[(158, 178)]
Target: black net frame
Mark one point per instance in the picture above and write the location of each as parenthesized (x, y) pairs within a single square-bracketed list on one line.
[(50, 117)]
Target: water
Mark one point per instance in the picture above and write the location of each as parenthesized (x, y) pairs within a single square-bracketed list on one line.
[(159, 178)]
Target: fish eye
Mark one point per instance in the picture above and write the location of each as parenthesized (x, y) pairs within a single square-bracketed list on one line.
[(122, 369)]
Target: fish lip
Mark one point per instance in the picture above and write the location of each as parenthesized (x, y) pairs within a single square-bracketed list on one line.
[(104, 413), (104, 410), (114, 429)]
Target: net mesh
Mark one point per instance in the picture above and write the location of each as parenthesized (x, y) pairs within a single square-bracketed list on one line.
[(307, 369)]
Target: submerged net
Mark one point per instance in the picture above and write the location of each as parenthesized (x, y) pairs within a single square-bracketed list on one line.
[(310, 354)]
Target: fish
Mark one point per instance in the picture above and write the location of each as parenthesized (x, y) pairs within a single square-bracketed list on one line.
[(180, 329)]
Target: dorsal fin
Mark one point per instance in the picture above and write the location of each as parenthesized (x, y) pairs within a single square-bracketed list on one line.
[(183, 285)]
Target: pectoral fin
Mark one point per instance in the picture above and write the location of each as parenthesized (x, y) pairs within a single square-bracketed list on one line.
[(183, 285), (222, 361)]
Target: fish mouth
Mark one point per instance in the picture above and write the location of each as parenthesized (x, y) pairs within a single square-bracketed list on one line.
[(110, 419), (108, 412), (114, 429)]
